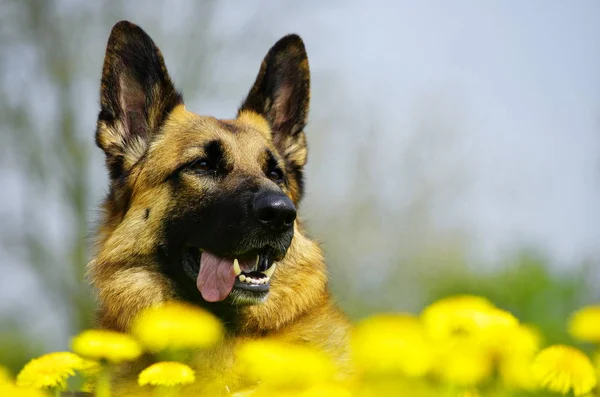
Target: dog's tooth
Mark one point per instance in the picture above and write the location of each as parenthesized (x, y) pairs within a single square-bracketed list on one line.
[(236, 267), (256, 263), (269, 272), (242, 278)]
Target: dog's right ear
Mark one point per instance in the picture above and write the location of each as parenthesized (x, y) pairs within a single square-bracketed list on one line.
[(281, 94), (136, 96)]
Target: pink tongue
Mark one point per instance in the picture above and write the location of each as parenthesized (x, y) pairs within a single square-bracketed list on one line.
[(216, 277)]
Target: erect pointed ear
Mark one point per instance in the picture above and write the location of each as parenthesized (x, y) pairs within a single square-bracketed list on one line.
[(136, 95), (281, 94)]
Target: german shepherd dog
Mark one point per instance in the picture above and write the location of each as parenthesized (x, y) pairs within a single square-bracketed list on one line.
[(204, 210)]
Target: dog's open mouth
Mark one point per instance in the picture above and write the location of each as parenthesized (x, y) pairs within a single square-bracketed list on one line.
[(216, 276)]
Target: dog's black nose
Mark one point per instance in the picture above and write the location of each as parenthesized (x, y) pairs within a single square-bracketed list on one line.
[(275, 210)]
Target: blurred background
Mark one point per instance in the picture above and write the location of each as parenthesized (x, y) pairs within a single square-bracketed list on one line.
[(454, 147)]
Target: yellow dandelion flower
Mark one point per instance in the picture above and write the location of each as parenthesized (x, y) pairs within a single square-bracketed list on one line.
[(282, 365), (561, 368), (391, 343), (516, 372), (12, 390), (584, 324), (521, 340), (176, 325), (90, 368), (327, 390), (516, 356), (463, 363), (397, 386), (470, 393), (466, 315), (111, 346), (50, 370), (495, 322), (166, 373)]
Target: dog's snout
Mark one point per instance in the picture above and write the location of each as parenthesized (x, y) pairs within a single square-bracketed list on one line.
[(275, 210)]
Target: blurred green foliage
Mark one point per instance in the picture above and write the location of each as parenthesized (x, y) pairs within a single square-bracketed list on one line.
[(525, 286)]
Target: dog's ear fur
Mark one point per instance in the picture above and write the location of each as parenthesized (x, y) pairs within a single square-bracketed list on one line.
[(281, 94), (136, 95)]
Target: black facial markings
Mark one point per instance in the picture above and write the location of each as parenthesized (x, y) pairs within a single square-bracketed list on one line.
[(146, 213), (214, 152), (272, 166), (296, 172), (213, 162), (115, 166), (220, 223)]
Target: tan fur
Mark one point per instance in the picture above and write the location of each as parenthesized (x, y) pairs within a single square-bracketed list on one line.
[(123, 269), (299, 283)]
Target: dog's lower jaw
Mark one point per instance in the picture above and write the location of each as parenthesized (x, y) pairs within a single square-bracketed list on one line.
[(242, 298)]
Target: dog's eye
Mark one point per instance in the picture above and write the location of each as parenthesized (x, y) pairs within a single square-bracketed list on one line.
[(202, 165), (275, 175)]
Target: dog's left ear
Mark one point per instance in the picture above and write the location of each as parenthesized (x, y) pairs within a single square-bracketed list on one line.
[(281, 94), (136, 96)]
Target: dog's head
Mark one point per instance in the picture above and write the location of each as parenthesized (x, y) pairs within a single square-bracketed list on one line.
[(214, 201)]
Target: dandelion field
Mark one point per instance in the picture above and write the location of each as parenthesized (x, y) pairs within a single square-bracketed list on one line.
[(461, 345)]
